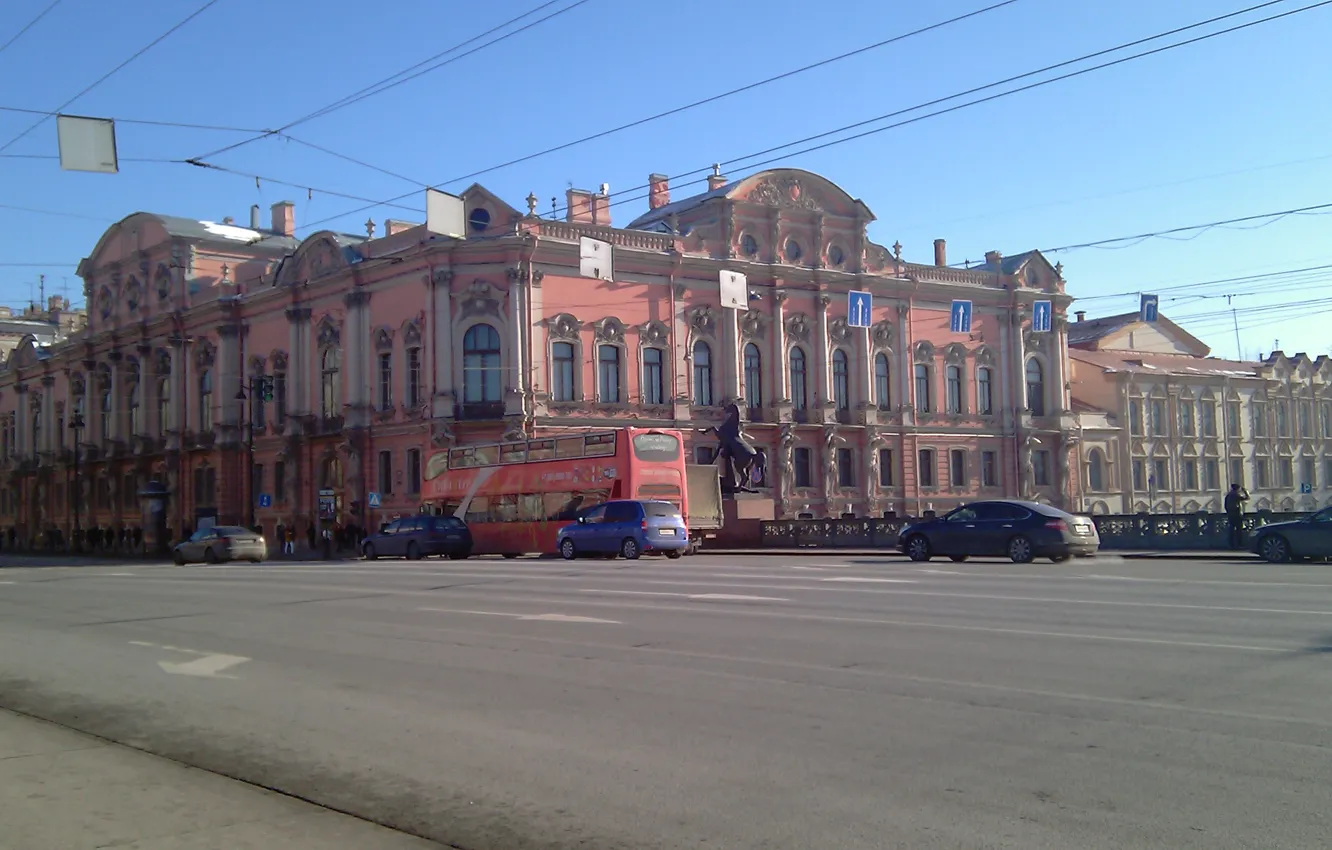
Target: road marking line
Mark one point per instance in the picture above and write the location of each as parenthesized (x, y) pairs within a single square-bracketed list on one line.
[(702, 597), (209, 666), (942, 572), (545, 618), (858, 579), (735, 597), (794, 567), (121, 574)]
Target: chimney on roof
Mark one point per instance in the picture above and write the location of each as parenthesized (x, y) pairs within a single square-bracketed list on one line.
[(284, 218), (228, 220), (601, 206), (940, 252), (1081, 315), (393, 226), (659, 195), (993, 257), (254, 216), (716, 179), (578, 206)]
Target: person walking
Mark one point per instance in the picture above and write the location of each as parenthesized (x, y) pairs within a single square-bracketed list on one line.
[(1235, 500)]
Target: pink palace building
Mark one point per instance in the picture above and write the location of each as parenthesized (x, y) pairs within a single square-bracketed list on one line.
[(384, 349)]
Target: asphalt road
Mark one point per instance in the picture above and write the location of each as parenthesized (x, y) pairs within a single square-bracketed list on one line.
[(720, 702)]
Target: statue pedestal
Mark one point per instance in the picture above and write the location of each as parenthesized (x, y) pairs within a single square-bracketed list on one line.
[(741, 515)]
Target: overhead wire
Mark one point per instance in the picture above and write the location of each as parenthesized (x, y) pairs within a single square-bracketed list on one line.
[(1202, 228), (389, 82), (29, 25), (954, 108), (145, 122), (142, 50)]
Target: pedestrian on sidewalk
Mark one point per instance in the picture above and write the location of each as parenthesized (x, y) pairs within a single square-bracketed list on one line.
[(1235, 500)]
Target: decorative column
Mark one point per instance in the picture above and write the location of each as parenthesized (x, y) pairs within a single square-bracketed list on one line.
[(21, 421), (513, 376), (357, 354), (113, 423), (730, 356), (176, 420), (781, 391), (441, 342), (229, 379), (822, 380), (298, 373), (48, 415), (1058, 369)]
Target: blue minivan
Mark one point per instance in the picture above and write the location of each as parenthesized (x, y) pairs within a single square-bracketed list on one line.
[(625, 528)]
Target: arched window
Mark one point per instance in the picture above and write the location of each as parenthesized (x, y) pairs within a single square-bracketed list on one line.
[(799, 380), (163, 405), (984, 391), (1035, 388), (206, 401), (883, 394), (923, 401), (135, 409), (654, 377), (36, 431), (953, 379), (608, 374), (702, 374), (753, 377), (841, 387), (482, 373), (413, 387), (562, 371), (330, 474), (330, 382), (104, 412), (1096, 471)]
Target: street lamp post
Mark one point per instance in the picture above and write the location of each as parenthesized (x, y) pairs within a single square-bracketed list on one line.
[(249, 447), (76, 425)]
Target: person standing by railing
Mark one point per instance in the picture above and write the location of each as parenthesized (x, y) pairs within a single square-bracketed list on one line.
[(1235, 500)]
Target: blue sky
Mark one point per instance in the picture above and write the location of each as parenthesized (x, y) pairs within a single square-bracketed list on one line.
[(1225, 128)]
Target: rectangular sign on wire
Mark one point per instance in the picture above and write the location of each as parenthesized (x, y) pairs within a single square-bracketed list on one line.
[(1041, 312), (1147, 310), (859, 307), (734, 290), (595, 258), (960, 318)]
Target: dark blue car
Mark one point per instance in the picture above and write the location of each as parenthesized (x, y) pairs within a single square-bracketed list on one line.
[(625, 528)]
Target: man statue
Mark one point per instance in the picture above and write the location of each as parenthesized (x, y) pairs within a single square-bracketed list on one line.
[(736, 448)]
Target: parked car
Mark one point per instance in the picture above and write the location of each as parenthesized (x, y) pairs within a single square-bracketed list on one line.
[(1310, 537), (1021, 531), (418, 536), (221, 543), (625, 528)]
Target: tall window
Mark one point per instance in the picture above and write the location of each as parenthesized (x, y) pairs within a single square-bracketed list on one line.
[(413, 378), (925, 467), (385, 380), (330, 382), (608, 374), (1309, 473), (1207, 413), (1187, 426), (1259, 419), (1283, 418), (1286, 469), (104, 415), (135, 410), (1096, 471), (258, 407), (799, 380), (989, 469), (883, 394), (1325, 418), (280, 397), (802, 460), (885, 467), (1035, 387), (1139, 476), (1160, 474), (957, 468), (36, 431), (413, 471), (1212, 474), (481, 365), (1306, 419), (386, 472), (280, 481), (702, 374), (1040, 461), (1158, 423), (1261, 473), (753, 377), (841, 380), (1189, 474), (846, 468), (922, 374), (984, 391), (1232, 419), (562, 371), (1237, 471), (206, 401), (1135, 417), (654, 378), (953, 378)]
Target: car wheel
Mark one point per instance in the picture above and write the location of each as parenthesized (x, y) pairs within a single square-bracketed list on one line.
[(369, 552), (918, 548), (1274, 549), (957, 559), (413, 551), (629, 549), (1059, 559), (673, 554), (178, 558), (210, 556), (1019, 550), (567, 549), (256, 560), (509, 556)]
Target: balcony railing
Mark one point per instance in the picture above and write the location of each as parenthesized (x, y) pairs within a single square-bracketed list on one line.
[(480, 410)]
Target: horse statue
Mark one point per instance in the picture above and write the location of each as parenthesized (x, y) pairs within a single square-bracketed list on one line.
[(736, 448)]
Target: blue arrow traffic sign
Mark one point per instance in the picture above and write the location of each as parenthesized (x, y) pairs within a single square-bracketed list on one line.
[(265, 500), (858, 308), (1147, 308), (960, 323), (1040, 316)]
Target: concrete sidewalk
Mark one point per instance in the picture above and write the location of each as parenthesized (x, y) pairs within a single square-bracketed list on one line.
[(62, 790), (893, 554)]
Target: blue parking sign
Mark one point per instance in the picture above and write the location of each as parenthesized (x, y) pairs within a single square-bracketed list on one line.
[(960, 322)]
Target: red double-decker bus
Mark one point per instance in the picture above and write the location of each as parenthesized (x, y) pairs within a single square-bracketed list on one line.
[(516, 496)]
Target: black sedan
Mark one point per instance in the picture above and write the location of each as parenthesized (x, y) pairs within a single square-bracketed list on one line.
[(1020, 531), (1310, 537), (420, 536)]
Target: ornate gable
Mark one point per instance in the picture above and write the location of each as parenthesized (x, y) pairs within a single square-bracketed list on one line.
[(796, 189)]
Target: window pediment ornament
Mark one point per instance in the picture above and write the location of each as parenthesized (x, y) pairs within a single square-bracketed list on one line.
[(383, 340), (882, 334), (204, 355), (783, 191), (611, 330), (279, 361), (924, 352), (702, 320), (564, 328), (329, 333), (411, 335), (839, 330), (955, 354), (480, 298), (77, 384), (163, 282), (798, 327), (133, 295), (256, 365), (984, 356), (653, 334), (753, 325)]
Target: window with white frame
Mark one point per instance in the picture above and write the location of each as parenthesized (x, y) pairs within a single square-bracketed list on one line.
[(608, 374), (957, 468), (654, 376), (984, 391)]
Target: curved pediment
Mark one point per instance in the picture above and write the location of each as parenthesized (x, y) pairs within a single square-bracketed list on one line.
[(126, 238), (795, 188), (322, 254)]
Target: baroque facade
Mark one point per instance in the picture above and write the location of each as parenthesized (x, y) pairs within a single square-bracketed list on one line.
[(386, 349), (1167, 429)]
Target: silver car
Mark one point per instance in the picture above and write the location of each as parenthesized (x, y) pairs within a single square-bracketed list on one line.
[(221, 543)]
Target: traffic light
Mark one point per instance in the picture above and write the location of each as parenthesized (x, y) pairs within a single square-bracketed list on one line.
[(266, 387)]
